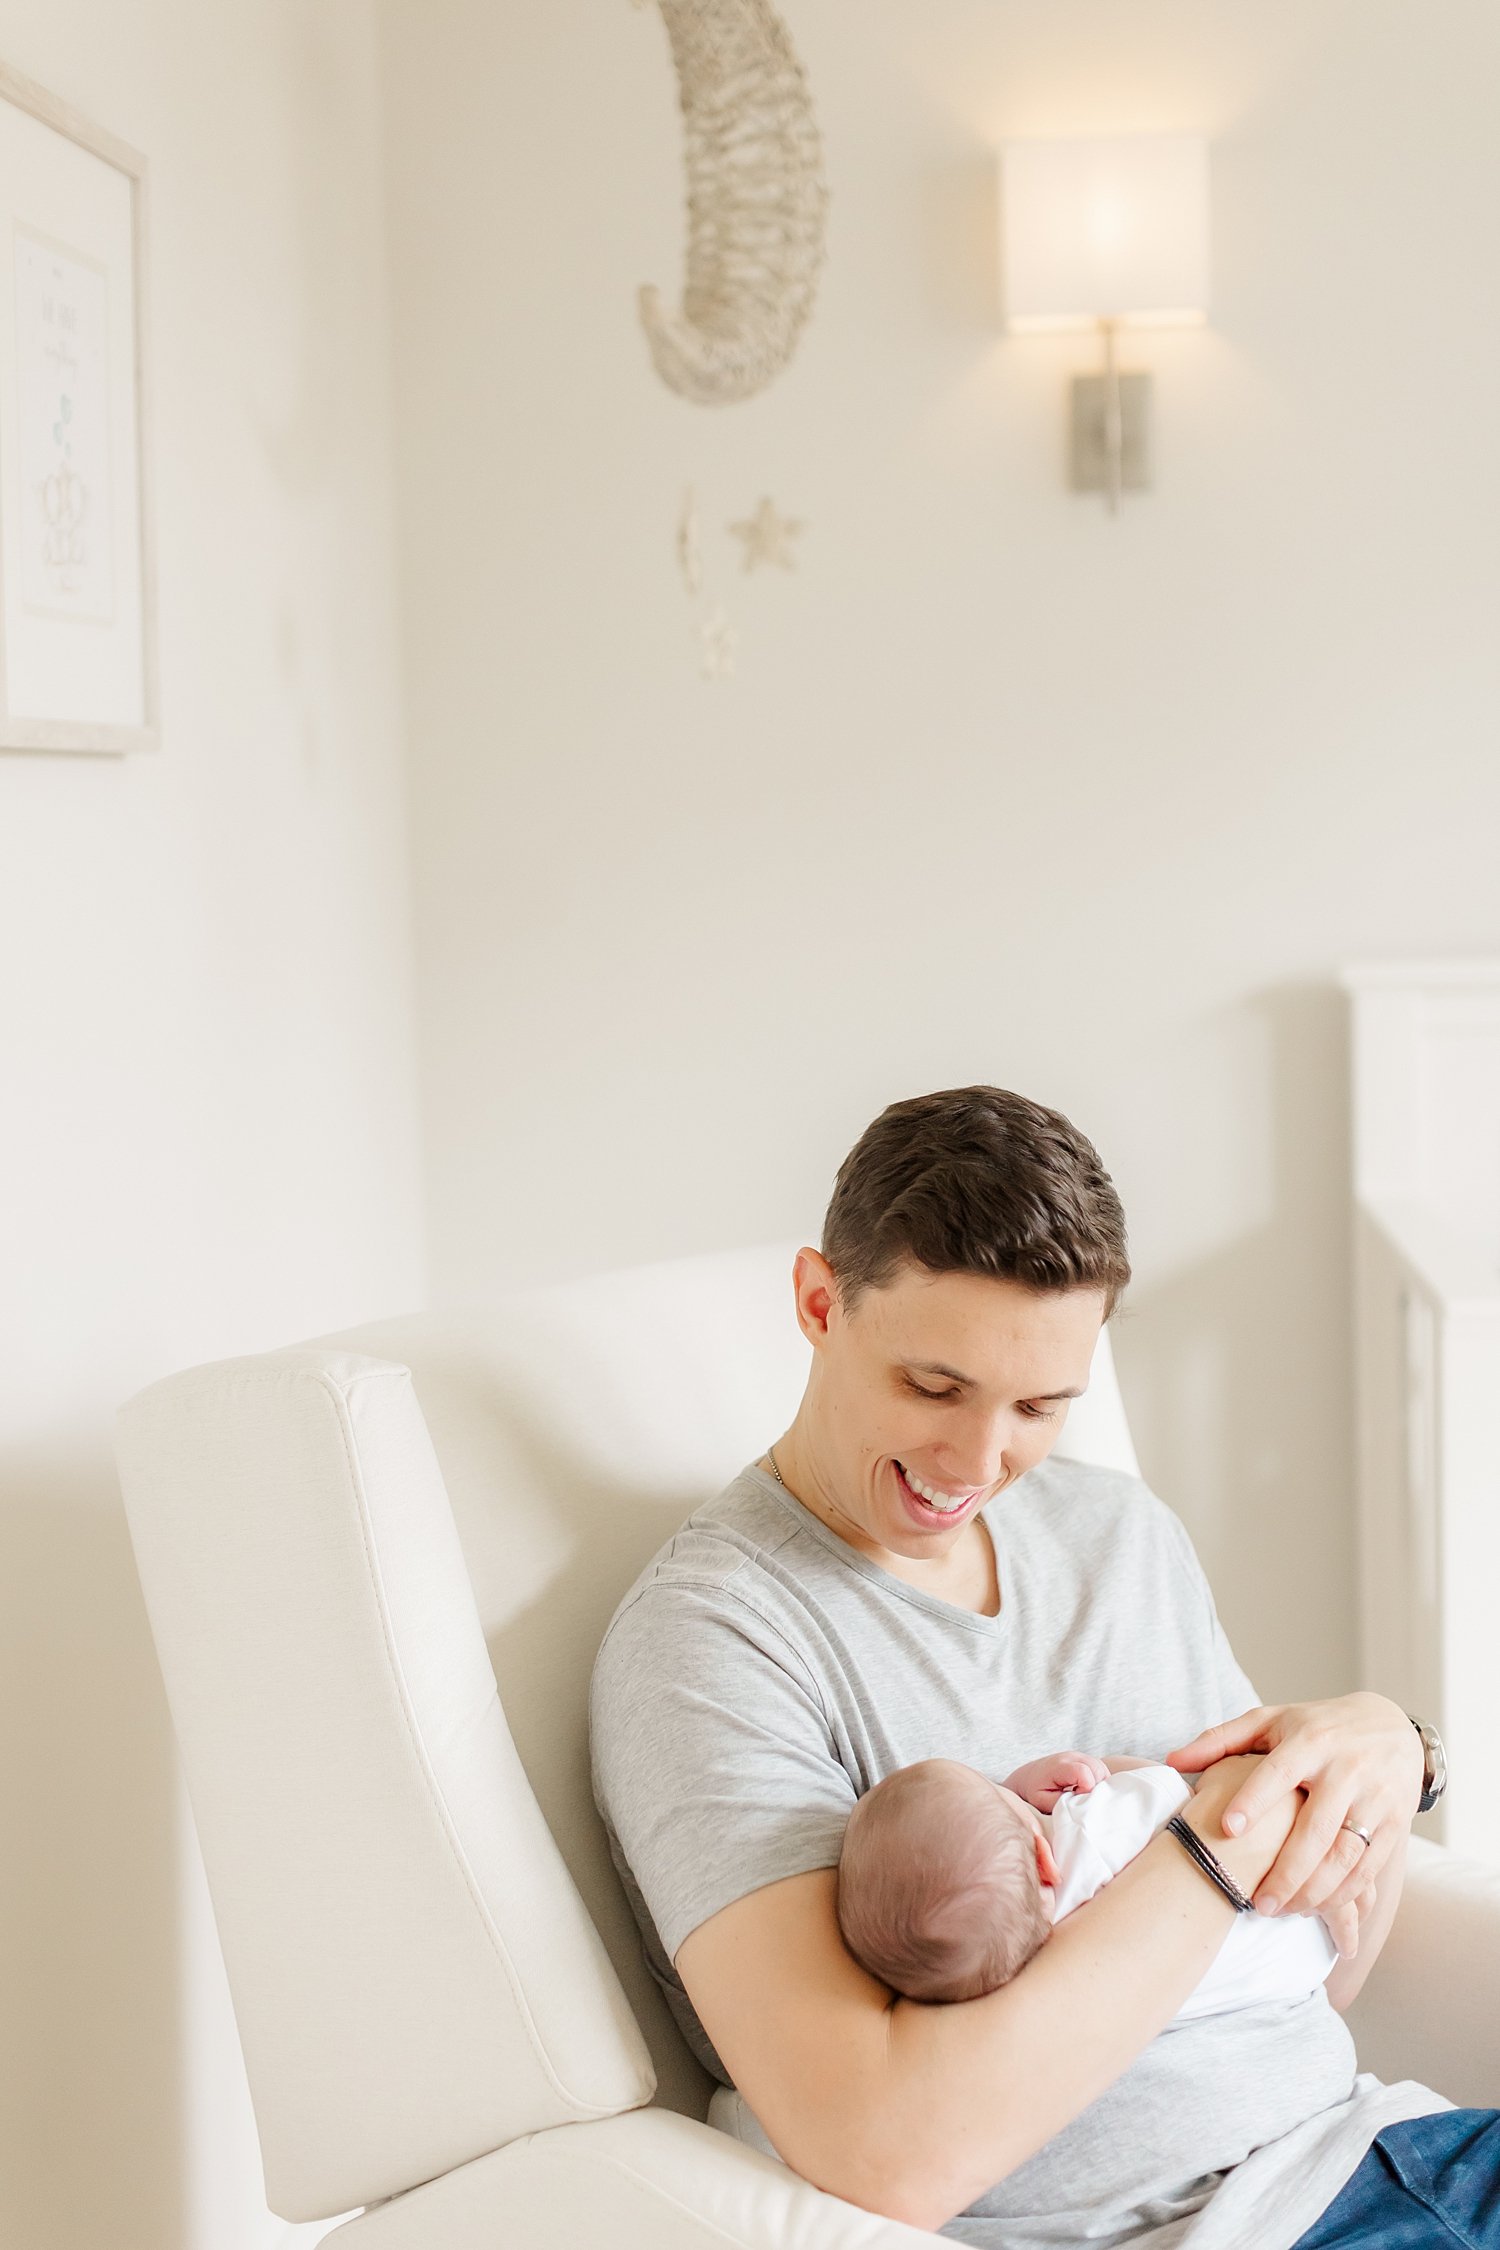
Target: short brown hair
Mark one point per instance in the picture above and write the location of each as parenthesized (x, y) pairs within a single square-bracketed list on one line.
[(976, 1180)]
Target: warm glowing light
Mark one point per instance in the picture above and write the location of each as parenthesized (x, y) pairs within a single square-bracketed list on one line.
[(1104, 230)]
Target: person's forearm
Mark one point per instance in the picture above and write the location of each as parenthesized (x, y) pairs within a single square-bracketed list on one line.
[(972, 2089), (1346, 1977)]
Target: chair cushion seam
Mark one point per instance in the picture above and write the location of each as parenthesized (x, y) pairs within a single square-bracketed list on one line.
[(601, 2163)]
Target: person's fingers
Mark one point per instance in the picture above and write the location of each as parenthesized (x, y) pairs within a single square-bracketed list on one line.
[(1073, 1773), (1361, 1877), (1346, 1868), (1343, 1928), (1324, 1863), (1248, 1732), (1364, 1903), (1312, 1838), (1283, 1768)]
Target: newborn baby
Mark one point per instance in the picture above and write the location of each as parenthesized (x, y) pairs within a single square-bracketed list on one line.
[(949, 1882)]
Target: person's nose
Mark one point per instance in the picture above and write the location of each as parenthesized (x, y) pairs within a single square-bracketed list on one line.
[(980, 1448)]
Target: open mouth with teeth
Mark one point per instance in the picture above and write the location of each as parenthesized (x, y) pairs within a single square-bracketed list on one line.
[(928, 1499)]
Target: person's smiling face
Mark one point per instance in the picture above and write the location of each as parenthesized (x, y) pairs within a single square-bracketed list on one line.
[(927, 1397)]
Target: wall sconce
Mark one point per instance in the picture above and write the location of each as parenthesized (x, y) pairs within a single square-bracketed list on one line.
[(1108, 234)]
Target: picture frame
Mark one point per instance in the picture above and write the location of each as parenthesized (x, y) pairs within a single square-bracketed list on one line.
[(77, 576)]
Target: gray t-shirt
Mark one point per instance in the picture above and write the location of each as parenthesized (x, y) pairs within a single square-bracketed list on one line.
[(761, 1674)]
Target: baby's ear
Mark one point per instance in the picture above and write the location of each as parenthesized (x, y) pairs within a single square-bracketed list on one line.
[(1046, 1865)]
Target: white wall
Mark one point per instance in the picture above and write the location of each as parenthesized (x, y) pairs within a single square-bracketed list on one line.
[(1003, 790), (207, 1134)]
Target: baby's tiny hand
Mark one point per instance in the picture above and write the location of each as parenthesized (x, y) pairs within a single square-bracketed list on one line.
[(1044, 1780)]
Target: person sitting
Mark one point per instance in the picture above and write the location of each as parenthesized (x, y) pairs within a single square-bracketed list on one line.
[(909, 1571)]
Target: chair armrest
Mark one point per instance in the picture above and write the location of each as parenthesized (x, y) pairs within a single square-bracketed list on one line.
[(1431, 2010), (648, 2180), (652, 2180)]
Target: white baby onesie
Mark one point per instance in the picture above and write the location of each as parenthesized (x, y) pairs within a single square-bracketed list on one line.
[(1263, 1957)]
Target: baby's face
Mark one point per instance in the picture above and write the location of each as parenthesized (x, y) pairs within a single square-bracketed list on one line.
[(1046, 1865)]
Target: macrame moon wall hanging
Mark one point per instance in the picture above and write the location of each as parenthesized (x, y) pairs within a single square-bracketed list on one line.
[(756, 203)]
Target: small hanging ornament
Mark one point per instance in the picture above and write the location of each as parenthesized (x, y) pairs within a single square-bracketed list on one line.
[(689, 548), (757, 203), (717, 640), (768, 536)]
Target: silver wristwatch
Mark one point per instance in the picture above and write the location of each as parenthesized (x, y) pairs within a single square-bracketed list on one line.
[(1435, 1768)]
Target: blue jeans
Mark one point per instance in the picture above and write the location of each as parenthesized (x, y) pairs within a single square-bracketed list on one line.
[(1432, 2183)]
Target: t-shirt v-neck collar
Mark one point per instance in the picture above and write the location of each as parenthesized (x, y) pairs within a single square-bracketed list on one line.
[(972, 1620)]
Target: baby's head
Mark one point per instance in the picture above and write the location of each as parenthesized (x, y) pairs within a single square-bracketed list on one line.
[(944, 1882)]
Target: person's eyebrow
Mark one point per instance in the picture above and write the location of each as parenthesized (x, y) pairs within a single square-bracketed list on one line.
[(936, 1367)]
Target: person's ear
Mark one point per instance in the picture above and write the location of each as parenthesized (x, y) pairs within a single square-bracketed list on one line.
[(817, 1295), (1046, 1865)]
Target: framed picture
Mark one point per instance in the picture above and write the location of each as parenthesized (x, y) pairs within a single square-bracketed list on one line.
[(77, 606)]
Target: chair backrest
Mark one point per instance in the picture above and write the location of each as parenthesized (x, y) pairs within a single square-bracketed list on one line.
[(415, 1979), (409, 1878)]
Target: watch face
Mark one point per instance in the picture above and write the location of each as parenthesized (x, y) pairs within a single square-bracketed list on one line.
[(1435, 1779)]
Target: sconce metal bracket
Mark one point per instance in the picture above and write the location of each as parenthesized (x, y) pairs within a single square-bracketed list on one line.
[(1090, 433)]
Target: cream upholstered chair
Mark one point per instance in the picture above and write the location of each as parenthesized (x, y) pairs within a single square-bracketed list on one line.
[(444, 2009)]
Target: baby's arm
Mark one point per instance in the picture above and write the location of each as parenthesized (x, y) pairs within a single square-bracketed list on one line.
[(1067, 1773), (1044, 1780)]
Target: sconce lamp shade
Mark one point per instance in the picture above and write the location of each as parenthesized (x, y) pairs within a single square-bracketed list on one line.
[(1097, 230)]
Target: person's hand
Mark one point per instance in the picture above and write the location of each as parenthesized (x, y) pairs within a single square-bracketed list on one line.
[(1255, 1846), (1359, 1758), (1250, 1854), (1044, 1780)]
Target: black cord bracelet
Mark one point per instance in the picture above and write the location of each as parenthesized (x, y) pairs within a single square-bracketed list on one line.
[(1197, 1850)]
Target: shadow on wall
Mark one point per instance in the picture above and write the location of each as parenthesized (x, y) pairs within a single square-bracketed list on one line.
[(90, 2130), (960, 268), (1244, 1362)]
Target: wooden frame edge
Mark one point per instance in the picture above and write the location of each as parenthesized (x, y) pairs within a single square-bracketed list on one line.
[(90, 738)]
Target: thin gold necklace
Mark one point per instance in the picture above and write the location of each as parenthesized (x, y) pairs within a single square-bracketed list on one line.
[(776, 1473)]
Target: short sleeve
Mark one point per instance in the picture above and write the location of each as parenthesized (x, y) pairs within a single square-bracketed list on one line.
[(713, 1763), (1235, 1691)]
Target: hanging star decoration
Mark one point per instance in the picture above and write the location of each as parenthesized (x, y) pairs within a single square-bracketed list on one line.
[(689, 546), (768, 536), (717, 639)]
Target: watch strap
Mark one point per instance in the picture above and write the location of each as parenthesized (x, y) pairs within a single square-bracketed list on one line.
[(1434, 1763), (1212, 1866)]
